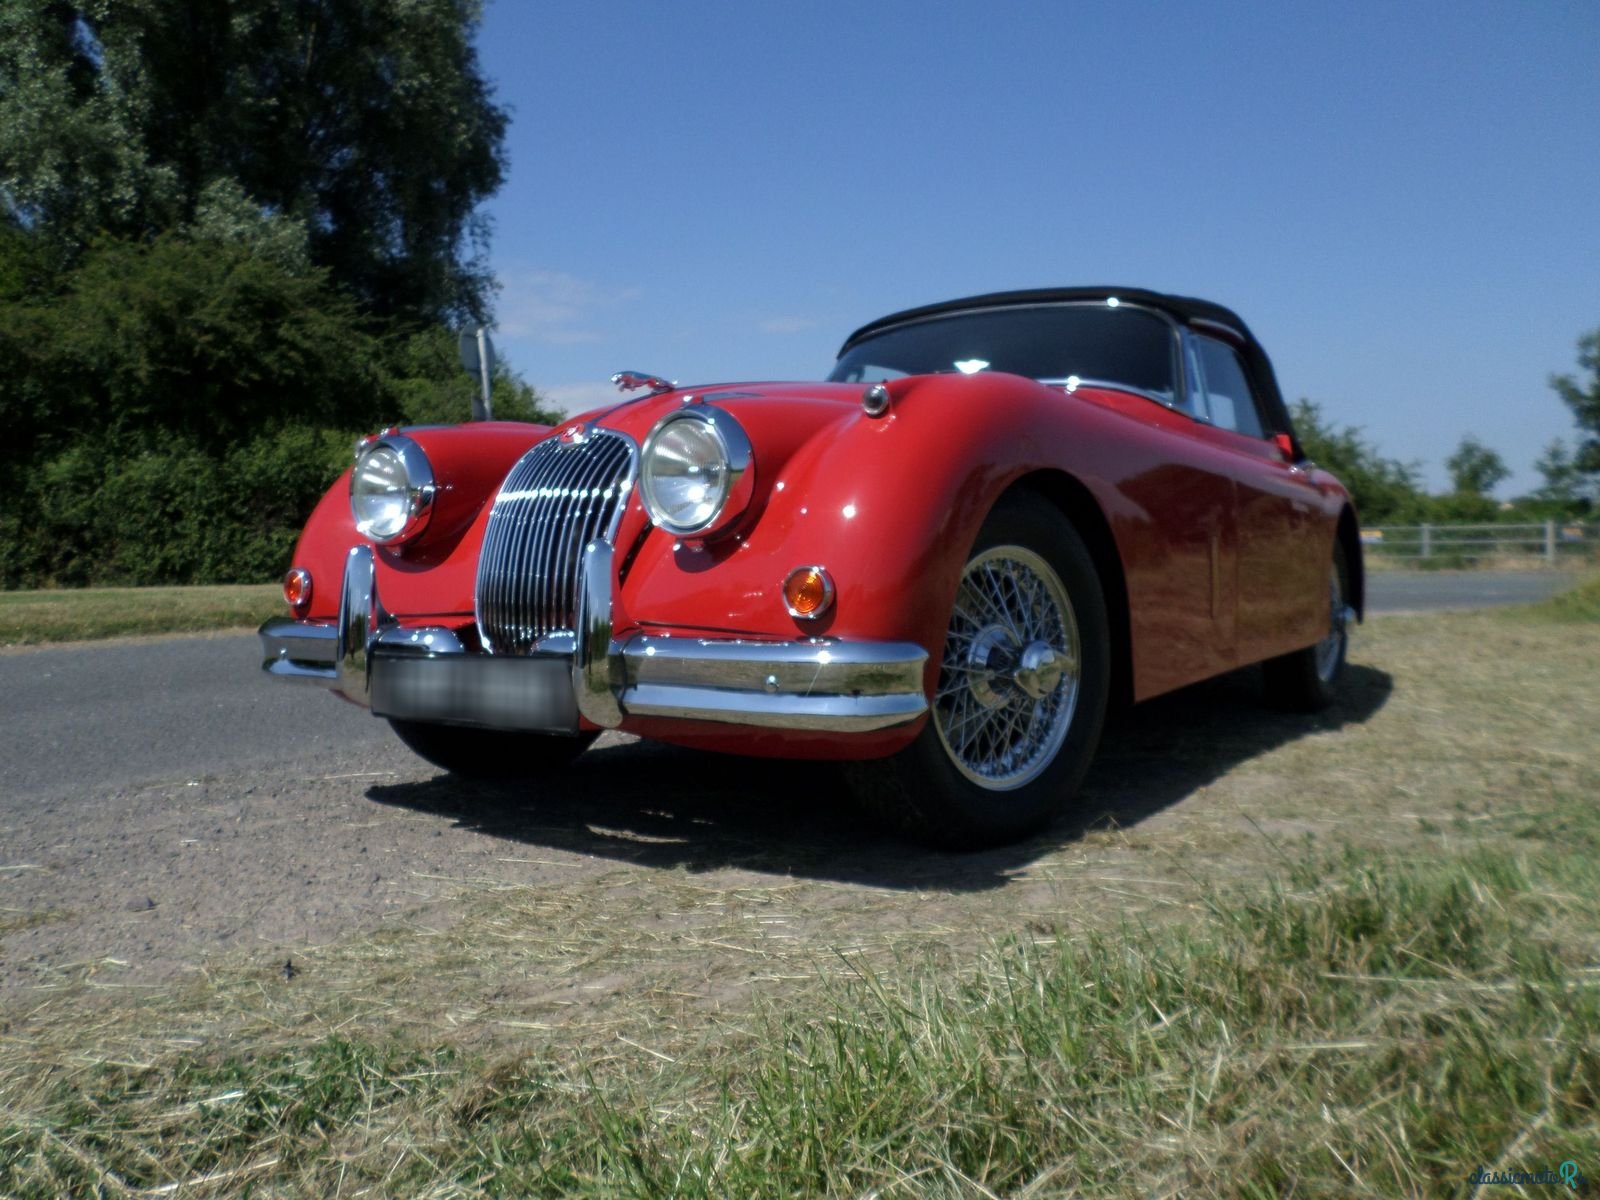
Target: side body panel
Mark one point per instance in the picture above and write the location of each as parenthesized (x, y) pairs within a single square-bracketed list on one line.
[(892, 505)]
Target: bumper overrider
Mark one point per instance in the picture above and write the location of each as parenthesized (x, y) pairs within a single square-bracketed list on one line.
[(429, 674)]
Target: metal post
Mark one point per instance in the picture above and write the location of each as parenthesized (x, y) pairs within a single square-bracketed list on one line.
[(1427, 539), (485, 367), (1549, 543)]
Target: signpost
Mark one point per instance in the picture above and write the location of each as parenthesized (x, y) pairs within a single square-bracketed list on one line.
[(477, 356)]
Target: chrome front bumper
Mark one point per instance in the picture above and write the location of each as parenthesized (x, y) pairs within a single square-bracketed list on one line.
[(830, 685)]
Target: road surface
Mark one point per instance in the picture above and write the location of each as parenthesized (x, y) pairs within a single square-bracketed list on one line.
[(1427, 591), (119, 713)]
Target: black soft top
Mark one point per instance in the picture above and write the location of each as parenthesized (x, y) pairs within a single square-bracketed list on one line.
[(1186, 310)]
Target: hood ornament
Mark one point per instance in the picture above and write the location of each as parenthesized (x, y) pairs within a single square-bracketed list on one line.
[(632, 381)]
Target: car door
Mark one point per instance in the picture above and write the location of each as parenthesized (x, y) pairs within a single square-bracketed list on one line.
[(1280, 564)]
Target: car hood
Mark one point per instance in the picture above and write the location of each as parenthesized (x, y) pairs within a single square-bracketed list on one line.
[(777, 417)]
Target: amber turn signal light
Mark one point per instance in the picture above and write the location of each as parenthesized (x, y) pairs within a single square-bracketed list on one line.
[(808, 592), (297, 589)]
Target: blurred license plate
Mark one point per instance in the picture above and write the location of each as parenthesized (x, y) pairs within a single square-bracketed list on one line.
[(499, 693)]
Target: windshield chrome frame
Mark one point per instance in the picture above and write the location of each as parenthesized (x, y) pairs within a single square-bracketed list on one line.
[(1183, 400)]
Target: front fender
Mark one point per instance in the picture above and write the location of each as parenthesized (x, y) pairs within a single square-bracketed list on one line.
[(433, 574), (890, 506)]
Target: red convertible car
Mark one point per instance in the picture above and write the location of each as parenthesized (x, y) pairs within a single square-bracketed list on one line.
[(997, 518)]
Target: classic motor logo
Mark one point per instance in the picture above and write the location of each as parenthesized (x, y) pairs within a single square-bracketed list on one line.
[(1566, 1175)]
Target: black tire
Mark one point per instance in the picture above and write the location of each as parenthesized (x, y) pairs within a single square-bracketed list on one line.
[(490, 753), (1307, 680), (961, 795)]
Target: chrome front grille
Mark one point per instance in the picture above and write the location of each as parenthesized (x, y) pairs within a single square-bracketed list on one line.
[(557, 499)]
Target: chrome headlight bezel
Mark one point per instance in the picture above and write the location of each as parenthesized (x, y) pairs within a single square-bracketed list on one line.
[(733, 466), (391, 490)]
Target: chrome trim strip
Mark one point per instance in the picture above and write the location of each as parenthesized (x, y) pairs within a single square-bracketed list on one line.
[(361, 620), (842, 687), (594, 666), (1072, 383), (299, 649), (423, 641), (828, 714)]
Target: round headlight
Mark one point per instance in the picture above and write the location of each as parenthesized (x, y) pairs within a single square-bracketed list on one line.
[(697, 472), (391, 489)]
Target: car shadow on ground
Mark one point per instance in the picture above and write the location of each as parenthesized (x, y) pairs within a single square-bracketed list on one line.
[(662, 806)]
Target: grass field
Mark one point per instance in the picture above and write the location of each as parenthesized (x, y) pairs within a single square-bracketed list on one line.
[(67, 615), (1356, 956)]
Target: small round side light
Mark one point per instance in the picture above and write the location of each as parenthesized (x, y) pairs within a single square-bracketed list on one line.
[(808, 593), (297, 590), (875, 400)]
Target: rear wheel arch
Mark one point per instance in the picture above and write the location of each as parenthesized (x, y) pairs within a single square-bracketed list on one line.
[(1350, 538), (1082, 511)]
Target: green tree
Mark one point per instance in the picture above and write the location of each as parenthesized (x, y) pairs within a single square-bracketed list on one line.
[(358, 133), (1564, 484), (432, 389), (1475, 470), (1384, 489), (1581, 394)]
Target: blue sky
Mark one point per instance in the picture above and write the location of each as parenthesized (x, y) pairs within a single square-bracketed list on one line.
[(1402, 199)]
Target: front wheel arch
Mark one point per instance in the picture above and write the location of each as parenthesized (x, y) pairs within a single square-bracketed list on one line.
[(1033, 692), (1078, 506)]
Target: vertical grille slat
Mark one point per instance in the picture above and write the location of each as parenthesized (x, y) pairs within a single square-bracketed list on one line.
[(556, 500)]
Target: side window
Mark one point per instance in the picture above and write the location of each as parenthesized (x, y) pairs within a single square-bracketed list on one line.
[(1227, 388)]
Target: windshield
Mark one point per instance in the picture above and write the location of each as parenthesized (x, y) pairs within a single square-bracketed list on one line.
[(1123, 345)]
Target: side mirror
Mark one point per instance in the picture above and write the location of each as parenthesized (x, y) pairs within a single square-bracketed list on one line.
[(477, 357), (1285, 445)]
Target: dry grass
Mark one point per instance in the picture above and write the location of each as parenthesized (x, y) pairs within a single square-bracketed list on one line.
[(1345, 955), (66, 615)]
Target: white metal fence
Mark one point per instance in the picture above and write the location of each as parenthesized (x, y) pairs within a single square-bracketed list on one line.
[(1552, 543)]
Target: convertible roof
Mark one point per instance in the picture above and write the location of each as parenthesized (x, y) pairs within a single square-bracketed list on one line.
[(1184, 309)]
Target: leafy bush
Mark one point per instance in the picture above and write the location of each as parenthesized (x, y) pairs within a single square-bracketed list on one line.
[(175, 410)]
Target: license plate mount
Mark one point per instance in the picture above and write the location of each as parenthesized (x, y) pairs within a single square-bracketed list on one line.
[(533, 694)]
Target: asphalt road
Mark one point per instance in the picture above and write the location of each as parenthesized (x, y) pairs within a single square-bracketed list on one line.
[(80, 719), (1427, 591)]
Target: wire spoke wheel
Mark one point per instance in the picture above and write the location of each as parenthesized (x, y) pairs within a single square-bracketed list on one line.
[(1009, 685), (1017, 707)]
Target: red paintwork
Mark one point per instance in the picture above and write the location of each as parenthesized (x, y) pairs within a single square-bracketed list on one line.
[(433, 574), (1223, 545)]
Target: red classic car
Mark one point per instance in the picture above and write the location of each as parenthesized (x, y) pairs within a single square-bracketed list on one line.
[(997, 518)]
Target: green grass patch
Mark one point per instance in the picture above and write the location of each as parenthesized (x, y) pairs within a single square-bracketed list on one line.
[(1409, 997), (1579, 603), (1361, 1026), (34, 617)]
